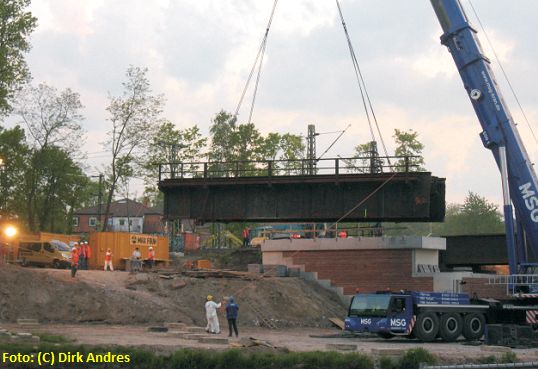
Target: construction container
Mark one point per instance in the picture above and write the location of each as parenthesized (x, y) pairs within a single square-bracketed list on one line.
[(191, 241), (122, 245)]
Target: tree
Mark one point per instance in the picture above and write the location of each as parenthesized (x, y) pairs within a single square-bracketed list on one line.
[(135, 117), (171, 145), (475, 216), (53, 118), (16, 25), (15, 153), (53, 186), (407, 144), (365, 160)]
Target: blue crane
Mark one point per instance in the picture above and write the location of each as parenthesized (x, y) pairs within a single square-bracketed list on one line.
[(499, 133)]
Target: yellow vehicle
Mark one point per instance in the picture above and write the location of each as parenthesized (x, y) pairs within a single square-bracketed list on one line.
[(51, 253)]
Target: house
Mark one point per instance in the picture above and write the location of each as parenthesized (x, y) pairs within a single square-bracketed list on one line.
[(125, 215)]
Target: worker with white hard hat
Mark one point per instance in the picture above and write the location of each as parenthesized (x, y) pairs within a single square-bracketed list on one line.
[(151, 257)]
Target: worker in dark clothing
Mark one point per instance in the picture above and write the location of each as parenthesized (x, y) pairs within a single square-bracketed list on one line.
[(231, 314)]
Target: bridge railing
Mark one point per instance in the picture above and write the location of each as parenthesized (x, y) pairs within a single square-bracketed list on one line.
[(280, 168)]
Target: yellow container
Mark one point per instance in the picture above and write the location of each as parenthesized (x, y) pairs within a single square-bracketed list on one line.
[(122, 245)]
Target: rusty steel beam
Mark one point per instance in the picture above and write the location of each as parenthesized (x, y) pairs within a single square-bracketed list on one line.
[(412, 196)]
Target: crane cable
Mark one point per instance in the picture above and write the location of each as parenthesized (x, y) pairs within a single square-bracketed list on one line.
[(503, 71), (259, 56), (336, 139), (362, 85)]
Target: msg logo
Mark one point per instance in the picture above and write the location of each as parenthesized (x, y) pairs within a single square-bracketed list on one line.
[(397, 323), (366, 321)]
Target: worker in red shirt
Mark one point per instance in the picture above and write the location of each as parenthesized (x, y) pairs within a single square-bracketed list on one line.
[(342, 234), (108, 260), (151, 257), (74, 260)]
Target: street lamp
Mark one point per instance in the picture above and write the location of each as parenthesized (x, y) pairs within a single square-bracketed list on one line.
[(10, 231)]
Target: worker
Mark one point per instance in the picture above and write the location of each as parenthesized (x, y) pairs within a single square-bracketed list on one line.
[(108, 260), (246, 236), (82, 256), (88, 254), (231, 315), (211, 315), (74, 260), (136, 265), (151, 257), (342, 234)]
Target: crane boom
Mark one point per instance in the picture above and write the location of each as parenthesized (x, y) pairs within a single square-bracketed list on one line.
[(499, 133)]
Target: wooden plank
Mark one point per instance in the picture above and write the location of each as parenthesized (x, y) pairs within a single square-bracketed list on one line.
[(338, 322)]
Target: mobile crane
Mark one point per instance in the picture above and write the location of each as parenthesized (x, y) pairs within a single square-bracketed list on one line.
[(428, 315)]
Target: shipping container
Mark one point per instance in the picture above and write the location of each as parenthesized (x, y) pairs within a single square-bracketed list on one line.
[(122, 245), (191, 241)]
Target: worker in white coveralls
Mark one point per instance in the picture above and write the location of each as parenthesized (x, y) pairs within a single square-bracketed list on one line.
[(211, 315)]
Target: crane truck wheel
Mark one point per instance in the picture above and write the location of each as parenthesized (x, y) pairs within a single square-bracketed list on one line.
[(427, 326), (473, 326), (451, 325)]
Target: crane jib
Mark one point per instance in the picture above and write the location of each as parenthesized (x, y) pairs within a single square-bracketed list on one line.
[(530, 199)]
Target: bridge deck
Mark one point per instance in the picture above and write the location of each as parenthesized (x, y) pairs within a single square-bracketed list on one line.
[(267, 192)]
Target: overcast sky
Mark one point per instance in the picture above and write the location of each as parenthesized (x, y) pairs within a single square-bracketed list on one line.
[(199, 53)]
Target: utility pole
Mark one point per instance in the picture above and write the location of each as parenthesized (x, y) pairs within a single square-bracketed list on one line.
[(311, 149), (99, 198)]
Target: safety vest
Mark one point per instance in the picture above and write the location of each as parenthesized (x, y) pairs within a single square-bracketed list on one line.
[(151, 255)]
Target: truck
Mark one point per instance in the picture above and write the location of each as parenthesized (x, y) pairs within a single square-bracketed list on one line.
[(429, 315)]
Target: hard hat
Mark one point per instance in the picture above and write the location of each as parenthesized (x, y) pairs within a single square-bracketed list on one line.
[(209, 297), (75, 243), (74, 249), (151, 247)]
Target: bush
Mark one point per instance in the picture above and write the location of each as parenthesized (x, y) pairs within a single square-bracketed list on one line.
[(413, 358), (386, 362), (508, 357)]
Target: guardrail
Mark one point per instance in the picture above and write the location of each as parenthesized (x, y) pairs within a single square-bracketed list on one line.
[(279, 168)]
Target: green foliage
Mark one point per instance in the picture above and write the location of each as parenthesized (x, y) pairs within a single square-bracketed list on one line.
[(476, 216), (491, 359), (367, 159), (386, 362), (508, 357), (51, 338), (413, 358), (407, 144), (16, 25), (233, 144)]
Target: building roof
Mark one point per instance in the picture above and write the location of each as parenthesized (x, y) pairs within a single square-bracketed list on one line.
[(121, 208)]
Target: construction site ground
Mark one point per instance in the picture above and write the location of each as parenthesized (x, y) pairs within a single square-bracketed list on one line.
[(117, 308)]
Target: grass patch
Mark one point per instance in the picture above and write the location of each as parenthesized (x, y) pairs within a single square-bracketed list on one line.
[(52, 338)]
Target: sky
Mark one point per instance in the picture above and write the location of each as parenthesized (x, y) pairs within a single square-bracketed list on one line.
[(199, 54)]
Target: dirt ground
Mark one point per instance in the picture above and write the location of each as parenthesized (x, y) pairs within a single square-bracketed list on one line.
[(116, 308), (293, 339), (51, 295)]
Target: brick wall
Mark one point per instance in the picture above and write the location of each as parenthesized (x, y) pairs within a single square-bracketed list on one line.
[(482, 289), (367, 270)]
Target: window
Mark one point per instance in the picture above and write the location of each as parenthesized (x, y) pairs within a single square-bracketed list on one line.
[(34, 246), (48, 247), (92, 221), (122, 222), (75, 221)]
